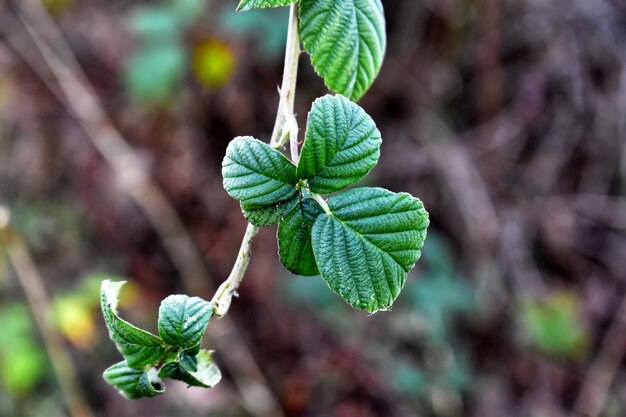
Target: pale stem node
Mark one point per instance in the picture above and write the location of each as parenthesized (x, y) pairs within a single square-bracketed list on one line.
[(321, 202), (224, 295), (287, 90)]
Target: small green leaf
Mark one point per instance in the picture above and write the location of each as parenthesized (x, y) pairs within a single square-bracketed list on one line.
[(346, 40), (173, 370), (294, 238), (256, 174), (246, 5), (342, 145), (199, 371), (134, 383), (139, 347), (365, 249), (205, 372), (263, 216), (192, 351), (183, 320)]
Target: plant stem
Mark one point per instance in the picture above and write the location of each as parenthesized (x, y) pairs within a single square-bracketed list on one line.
[(285, 113), (285, 120), (224, 294), (321, 202)]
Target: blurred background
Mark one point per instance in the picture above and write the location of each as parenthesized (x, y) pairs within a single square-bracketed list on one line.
[(506, 117)]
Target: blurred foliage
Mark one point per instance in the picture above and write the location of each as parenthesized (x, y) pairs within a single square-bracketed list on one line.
[(314, 293), (268, 28), (57, 7), (49, 225), (76, 312), (410, 379), (437, 298), (154, 73), (22, 360), (554, 325), (156, 23), (439, 294), (417, 381)]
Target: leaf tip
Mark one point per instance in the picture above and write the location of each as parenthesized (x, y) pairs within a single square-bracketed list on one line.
[(110, 290)]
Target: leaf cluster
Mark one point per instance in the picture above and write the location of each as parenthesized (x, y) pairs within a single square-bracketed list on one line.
[(363, 241), (174, 354)]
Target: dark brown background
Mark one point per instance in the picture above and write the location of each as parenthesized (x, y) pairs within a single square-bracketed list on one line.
[(507, 118)]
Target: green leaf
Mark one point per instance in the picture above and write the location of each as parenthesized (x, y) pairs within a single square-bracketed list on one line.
[(342, 145), (246, 5), (263, 216), (139, 347), (199, 371), (173, 370), (134, 383), (365, 249), (256, 174), (346, 40), (294, 238), (205, 372), (183, 320)]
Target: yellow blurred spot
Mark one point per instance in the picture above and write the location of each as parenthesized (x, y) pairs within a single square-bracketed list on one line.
[(213, 63), (129, 294), (76, 321), (58, 6)]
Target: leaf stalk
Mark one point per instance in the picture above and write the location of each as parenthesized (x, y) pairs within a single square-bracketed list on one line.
[(322, 203)]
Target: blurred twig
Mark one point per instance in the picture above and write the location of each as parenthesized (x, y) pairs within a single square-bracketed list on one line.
[(604, 367), (31, 281), (130, 173), (463, 178), (491, 75)]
